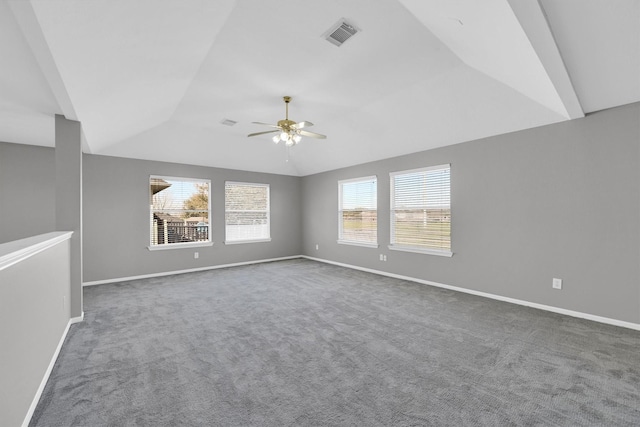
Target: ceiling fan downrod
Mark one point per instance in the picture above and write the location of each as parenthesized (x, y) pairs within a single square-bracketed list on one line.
[(287, 99)]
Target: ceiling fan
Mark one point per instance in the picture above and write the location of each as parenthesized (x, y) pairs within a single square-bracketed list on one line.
[(287, 130)]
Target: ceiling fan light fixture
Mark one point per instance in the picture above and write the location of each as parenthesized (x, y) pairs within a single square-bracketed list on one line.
[(288, 131)]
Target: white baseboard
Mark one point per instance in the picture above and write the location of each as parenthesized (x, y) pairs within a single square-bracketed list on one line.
[(77, 319), (45, 378), (191, 270), (553, 309), (601, 319)]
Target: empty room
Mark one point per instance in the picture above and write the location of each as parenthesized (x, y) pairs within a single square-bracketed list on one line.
[(319, 213)]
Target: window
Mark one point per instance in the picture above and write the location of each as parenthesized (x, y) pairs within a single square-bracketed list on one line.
[(246, 214), (180, 212), (421, 210), (358, 211)]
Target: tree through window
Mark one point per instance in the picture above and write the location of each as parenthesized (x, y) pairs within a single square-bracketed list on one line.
[(180, 211)]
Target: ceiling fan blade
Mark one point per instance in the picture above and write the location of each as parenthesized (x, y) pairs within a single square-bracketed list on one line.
[(312, 134), (262, 133), (266, 124), (301, 125)]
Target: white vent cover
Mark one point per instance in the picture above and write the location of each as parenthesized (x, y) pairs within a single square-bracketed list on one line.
[(340, 32), (228, 122)]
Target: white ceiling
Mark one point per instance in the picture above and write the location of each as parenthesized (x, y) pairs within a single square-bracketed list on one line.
[(153, 79)]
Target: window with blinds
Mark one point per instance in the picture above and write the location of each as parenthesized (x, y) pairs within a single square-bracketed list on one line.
[(358, 211), (246, 212), (421, 210), (179, 212)]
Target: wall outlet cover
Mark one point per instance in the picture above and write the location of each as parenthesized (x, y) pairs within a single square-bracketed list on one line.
[(557, 283)]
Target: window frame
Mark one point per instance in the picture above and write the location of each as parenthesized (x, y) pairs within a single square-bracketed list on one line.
[(341, 240), (268, 212), (180, 245), (408, 248)]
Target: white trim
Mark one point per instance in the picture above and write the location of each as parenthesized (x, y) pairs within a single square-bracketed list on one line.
[(45, 378), (248, 184), (578, 314), (362, 244), (425, 169), (267, 211), (341, 210), (208, 242), (77, 319), (393, 208), (186, 245), (190, 270), (237, 242), (364, 178), (14, 252), (178, 178), (420, 250)]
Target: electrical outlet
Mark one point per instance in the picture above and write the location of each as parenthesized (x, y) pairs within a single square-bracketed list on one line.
[(384, 257), (381, 257), (317, 246), (196, 255), (557, 283)]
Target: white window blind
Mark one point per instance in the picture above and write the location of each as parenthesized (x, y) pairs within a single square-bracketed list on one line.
[(247, 217), (179, 212), (421, 210), (358, 211)]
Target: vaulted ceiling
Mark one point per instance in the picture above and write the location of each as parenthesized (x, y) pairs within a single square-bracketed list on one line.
[(155, 79)]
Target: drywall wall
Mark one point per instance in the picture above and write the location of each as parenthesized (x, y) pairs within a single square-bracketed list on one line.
[(27, 191), (116, 219), (556, 201), (34, 314), (68, 178)]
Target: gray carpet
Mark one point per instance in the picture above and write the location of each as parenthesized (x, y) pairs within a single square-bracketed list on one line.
[(301, 343)]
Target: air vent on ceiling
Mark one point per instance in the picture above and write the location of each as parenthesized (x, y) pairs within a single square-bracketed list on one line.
[(340, 32), (228, 122)]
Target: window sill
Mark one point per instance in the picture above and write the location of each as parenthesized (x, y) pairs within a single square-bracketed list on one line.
[(362, 244), (179, 246), (421, 251), (238, 242)]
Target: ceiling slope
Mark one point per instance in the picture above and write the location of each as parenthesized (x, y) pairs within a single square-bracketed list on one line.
[(488, 37), (600, 44), (127, 64), (154, 79), (27, 104)]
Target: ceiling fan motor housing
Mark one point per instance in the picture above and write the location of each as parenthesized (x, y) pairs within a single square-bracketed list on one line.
[(290, 132), (287, 125)]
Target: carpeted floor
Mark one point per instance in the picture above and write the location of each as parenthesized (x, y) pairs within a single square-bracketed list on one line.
[(301, 343)]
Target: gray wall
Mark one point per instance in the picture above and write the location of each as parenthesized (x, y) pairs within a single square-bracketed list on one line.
[(32, 321), (27, 191), (556, 201), (116, 219), (68, 205)]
